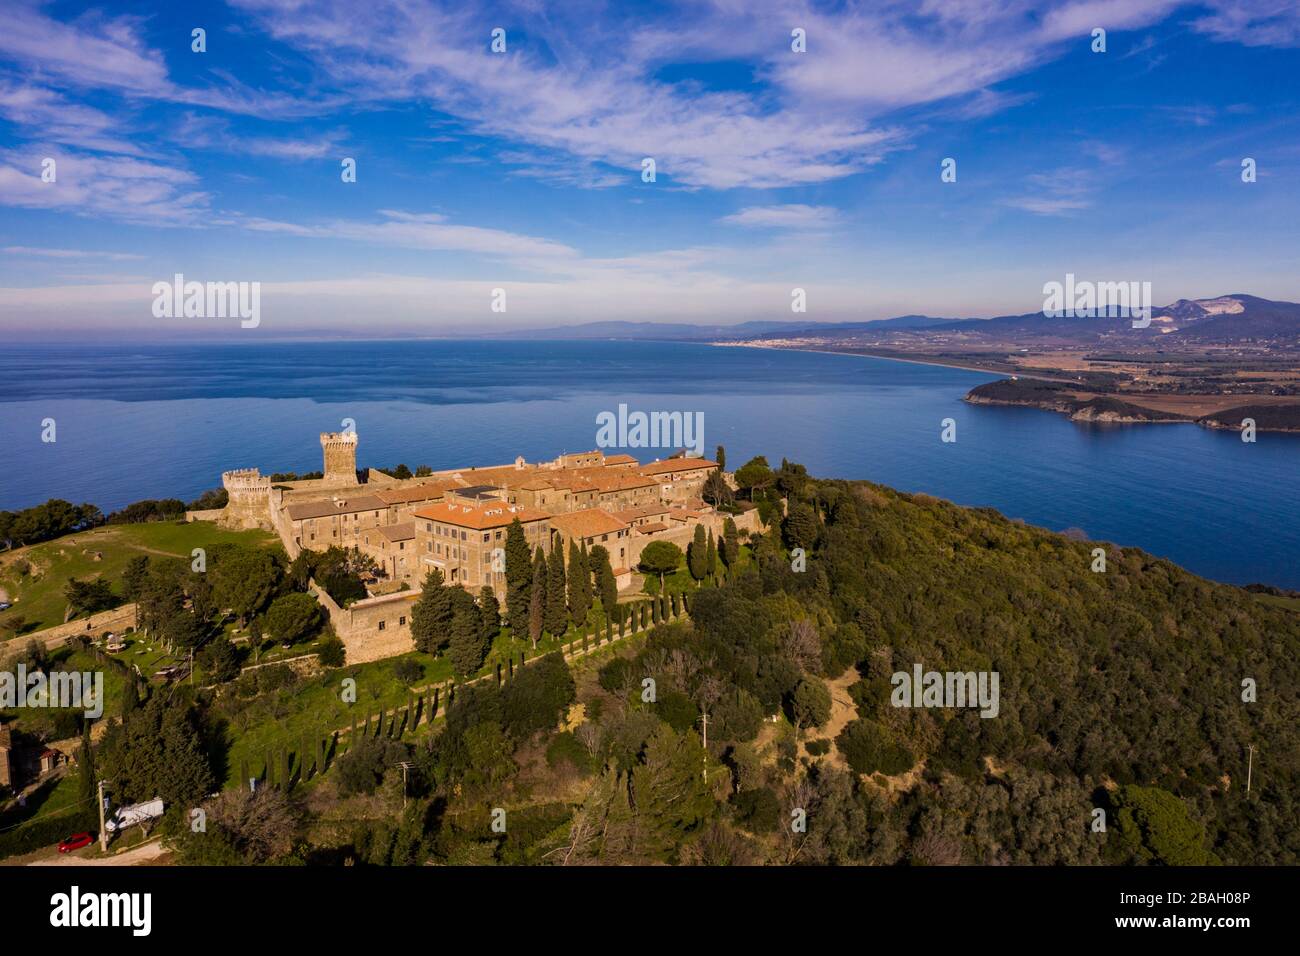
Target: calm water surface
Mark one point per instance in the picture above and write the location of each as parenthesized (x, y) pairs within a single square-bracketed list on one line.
[(147, 422)]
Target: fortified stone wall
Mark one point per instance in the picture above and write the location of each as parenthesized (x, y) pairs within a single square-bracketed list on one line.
[(250, 499), (358, 626), (97, 625)]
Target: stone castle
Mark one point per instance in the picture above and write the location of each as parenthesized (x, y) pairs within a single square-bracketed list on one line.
[(456, 520)]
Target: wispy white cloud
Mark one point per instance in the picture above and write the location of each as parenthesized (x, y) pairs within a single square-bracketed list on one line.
[(1252, 22), (788, 216), (68, 253), (115, 187), (421, 231)]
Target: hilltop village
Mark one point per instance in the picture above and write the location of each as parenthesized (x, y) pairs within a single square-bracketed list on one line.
[(456, 521)]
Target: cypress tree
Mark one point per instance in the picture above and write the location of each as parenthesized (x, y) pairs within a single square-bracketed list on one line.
[(468, 648), (696, 554), (711, 557), (579, 595), (730, 544), (489, 613), (606, 586), (721, 457), (537, 600), (585, 558), (130, 695), (519, 579), (557, 613), (431, 615)]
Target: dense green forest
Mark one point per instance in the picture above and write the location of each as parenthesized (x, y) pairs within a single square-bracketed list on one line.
[(1124, 692), (1131, 694)]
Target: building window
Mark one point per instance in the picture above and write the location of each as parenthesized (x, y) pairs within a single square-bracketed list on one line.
[(401, 622), (381, 625)]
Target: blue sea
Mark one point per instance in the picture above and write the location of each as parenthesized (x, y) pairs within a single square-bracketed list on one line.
[(164, 421)]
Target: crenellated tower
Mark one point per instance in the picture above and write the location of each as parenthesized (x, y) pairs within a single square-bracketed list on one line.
[(340, 449), (250, 498)]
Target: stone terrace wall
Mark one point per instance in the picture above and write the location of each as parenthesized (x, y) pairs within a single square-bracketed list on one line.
[(116, 620)]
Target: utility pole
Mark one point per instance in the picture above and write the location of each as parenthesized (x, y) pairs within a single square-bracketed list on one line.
[(1250, 765), (405, 765), (103, 833), (704, 719)]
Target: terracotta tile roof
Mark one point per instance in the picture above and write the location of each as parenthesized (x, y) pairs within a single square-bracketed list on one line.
[(645, 511), (620, 460), (349, 504), (670, 465), (587, 523), (429, 491), (653, 527), (479, 517), (399, 532)]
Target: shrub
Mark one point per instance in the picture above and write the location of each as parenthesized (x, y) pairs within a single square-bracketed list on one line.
[(331, 652), (408, 670), (757, 810), (869, 747), (566, 748)]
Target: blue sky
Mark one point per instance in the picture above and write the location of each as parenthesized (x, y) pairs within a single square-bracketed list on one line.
[(522, 170)]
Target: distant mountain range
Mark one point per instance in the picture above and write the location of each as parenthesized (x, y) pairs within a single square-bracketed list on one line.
[(1228, 318)]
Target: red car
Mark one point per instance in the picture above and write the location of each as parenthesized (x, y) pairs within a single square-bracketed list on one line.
[(76, 842)]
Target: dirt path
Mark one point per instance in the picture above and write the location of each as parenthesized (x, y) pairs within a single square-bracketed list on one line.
[(843, 712), (138, 856)]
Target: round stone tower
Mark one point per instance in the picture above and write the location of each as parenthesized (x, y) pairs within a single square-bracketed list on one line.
[(340, 456), (250, 498)]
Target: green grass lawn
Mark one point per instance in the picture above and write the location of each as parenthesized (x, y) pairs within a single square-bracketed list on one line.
[(1278, 600), (38, 597), (680, 581)]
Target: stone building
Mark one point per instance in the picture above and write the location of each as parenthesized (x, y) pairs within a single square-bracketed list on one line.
[(590, 527), (456, 520), (466, 542), (338, 520), (393, 548)]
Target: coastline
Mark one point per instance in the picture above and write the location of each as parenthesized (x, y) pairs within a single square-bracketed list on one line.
[(887, 358), (1103, 418)]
